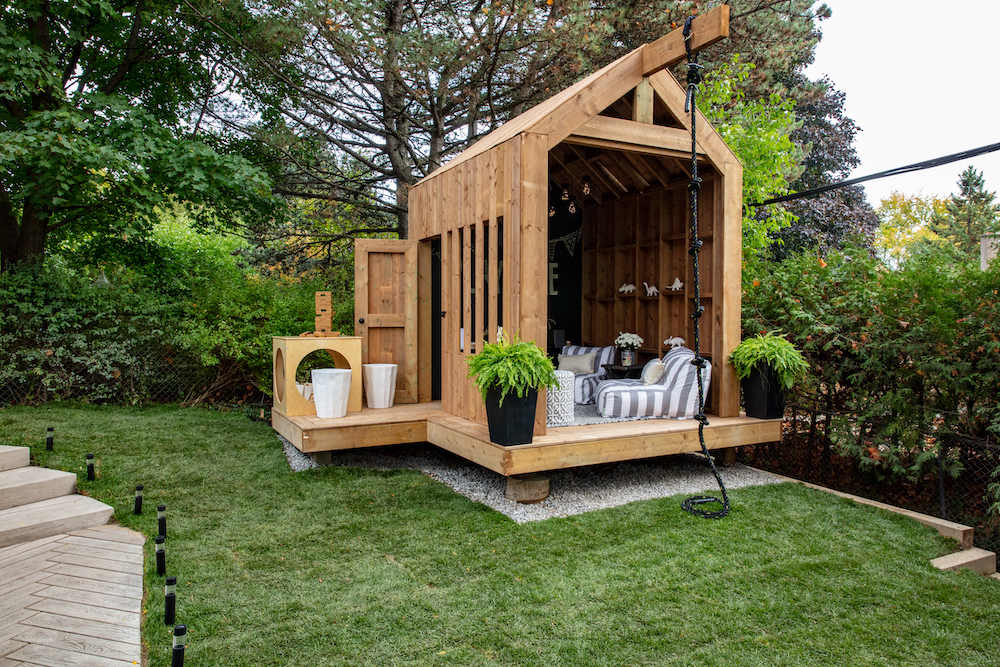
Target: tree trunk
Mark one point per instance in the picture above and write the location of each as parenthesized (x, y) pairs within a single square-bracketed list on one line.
[(24, 242)]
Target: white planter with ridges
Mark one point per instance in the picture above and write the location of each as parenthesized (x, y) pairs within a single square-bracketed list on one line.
[(331, 391), (380, 384)]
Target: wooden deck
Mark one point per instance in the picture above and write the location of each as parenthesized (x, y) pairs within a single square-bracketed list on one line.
[(72, 599), (564, 447)]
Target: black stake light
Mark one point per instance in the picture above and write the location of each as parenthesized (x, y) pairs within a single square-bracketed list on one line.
[(90, 467), (49, 438), (170, 601), (177, 655), (138, 499), (161, 518), (161, 556)]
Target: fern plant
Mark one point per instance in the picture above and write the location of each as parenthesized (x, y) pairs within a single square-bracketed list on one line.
[(515, 367), (773, 350)]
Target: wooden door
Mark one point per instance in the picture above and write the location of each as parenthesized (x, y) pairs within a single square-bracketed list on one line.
[(385, 308)]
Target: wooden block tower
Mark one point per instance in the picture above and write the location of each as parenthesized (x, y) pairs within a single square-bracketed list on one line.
[(324, 314)]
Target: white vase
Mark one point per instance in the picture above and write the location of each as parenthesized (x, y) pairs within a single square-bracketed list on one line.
[(331, 391), (380, 384)]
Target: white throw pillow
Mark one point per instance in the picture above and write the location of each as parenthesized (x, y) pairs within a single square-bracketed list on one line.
[(578, 363), (652, 372)]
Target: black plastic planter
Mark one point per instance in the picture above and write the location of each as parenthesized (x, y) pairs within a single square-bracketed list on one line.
[(513, 423), (763, 397)]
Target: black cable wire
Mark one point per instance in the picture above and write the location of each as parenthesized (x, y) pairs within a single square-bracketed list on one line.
[(917, 166), (693, 79)]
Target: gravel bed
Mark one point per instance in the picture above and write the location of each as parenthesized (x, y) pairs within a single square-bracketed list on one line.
[(573, 491)]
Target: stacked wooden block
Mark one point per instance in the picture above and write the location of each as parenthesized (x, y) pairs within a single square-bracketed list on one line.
[(324, 316)]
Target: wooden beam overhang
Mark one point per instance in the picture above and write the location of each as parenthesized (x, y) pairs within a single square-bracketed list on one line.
[(669, 50), (629, 136)]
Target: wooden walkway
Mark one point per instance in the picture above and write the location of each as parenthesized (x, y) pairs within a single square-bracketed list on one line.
[(72, 600)]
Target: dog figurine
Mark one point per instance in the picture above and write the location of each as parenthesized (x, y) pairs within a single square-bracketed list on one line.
[(651, 290)]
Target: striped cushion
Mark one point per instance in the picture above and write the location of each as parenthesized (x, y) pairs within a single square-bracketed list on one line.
[(585, 385), (675, 396)]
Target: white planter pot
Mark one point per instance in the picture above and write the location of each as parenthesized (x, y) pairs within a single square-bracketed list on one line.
[(380, 384), (331, 391)]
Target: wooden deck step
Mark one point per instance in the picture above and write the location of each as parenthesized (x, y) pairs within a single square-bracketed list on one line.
[(975, 559), (31, 484), (51, 517), (14, 457)]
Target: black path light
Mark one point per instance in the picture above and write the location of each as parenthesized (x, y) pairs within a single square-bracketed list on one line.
[(161, 518), (177, 656), (138, 499), (49, 438), (170, 601), (90, 467), (161, 556)]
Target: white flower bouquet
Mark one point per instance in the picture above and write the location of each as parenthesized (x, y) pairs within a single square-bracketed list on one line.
[(628, 341)]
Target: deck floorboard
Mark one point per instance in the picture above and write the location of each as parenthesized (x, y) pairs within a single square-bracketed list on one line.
[(64, 602)]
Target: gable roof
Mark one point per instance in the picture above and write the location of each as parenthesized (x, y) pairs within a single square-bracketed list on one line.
[(566, 111)]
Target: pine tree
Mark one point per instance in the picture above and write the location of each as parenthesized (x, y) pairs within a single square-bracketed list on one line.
[(969, 215)]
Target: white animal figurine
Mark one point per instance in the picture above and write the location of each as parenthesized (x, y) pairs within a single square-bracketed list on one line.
[(627, 288), (677, 286), (676, 341), (651, 290)]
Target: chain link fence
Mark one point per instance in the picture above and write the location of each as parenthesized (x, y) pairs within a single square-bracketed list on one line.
[(806, 452), (145, 371)]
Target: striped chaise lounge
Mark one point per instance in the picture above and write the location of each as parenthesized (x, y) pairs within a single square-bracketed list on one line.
[(674, 396), (585, 385)]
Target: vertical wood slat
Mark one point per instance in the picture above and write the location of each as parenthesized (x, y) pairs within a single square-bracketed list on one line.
[(411, 333), (459, 358), (491, 245), (534, 249), (425, 322), (512, 239), (447, 339), (360, 296), (729, 286)]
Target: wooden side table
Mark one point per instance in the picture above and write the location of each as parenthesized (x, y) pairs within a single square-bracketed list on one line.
[(288, 353), (619, 372)]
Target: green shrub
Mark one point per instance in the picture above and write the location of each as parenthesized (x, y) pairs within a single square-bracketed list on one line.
[(192, 323), (908, 360)]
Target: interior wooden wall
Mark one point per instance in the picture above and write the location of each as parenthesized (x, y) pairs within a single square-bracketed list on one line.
[(646, 237), (490, 215)]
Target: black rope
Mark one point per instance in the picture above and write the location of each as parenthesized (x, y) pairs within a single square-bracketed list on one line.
[(917, 166), (691, 505)]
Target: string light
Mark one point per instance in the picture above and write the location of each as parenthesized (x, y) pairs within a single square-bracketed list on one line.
[(586, 186)]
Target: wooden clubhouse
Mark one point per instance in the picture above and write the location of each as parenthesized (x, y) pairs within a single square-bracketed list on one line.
[(485, 230)]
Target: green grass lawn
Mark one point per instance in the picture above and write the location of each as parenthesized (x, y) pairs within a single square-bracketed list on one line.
[(359, 567)]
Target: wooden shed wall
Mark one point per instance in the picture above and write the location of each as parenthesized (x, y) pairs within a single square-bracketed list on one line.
[(490, 215), (645, 238)]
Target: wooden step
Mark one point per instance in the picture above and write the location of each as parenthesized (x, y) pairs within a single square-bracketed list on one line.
[(51, 517), (14, 457), (975, 559), (22, 486)]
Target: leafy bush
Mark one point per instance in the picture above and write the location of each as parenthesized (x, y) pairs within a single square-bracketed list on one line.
[(186, 313), (908, 360)]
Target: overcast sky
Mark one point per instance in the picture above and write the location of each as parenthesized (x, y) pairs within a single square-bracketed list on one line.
[(922, 80)]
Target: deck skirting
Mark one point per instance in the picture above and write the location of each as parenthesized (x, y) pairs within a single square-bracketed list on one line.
[(565, 447)]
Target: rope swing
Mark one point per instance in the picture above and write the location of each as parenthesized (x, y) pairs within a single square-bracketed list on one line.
[(692, 505)]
